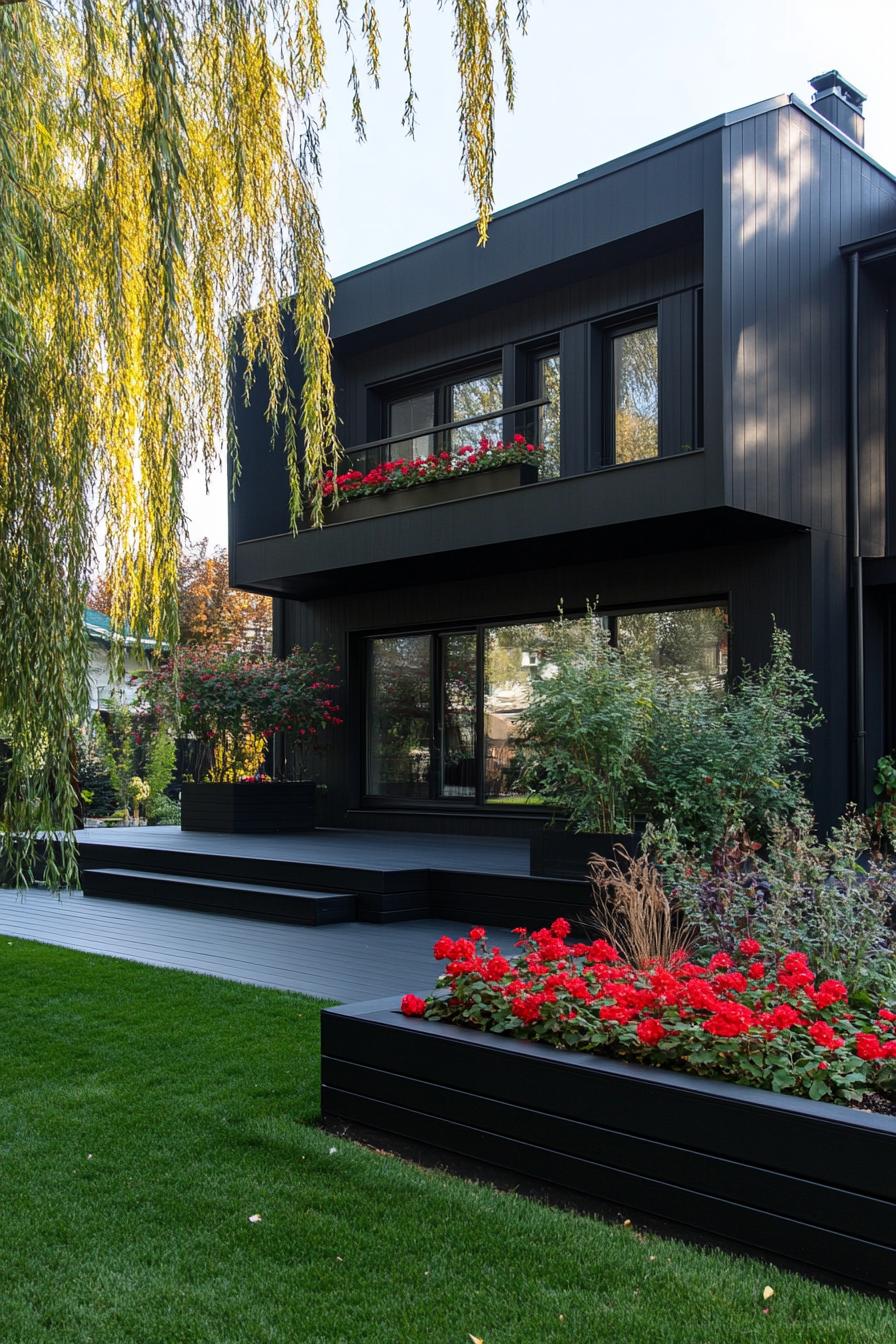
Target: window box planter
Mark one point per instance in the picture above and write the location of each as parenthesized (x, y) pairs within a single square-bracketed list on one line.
[(558, 853), (435, 492), (251, 808), (808, 1181)]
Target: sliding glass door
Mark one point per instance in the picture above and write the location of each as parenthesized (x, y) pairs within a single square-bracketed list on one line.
[(421, 716)]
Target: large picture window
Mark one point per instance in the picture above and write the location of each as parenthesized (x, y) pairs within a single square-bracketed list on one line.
[(443, 707)]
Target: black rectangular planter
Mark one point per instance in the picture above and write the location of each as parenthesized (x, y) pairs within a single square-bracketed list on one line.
[(251, 808), (436, 492), (558, 853), (809, 1181)]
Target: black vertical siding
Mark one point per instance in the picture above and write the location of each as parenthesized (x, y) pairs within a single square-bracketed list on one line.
[(795, 194), (677, 315)]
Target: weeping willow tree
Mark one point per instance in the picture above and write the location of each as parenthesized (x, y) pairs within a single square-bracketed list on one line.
[(159, 164)]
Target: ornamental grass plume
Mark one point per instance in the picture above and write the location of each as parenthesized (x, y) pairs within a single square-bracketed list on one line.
[(633, 910)]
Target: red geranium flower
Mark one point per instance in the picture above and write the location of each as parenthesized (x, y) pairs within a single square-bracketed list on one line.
[(823, 1033), (651, 1031), (413, 1006)]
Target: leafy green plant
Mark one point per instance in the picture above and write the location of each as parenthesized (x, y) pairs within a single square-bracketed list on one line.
[(883, 816), (584, 733), (163, 811), (118, 748), (724, 762), (98, 797), (822, 897)]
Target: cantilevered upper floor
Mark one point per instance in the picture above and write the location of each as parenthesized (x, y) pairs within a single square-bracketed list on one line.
[(672, 325)]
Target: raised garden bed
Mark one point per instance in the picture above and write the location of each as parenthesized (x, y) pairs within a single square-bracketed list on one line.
[(436, 492), (249, 808), (809, 1181)]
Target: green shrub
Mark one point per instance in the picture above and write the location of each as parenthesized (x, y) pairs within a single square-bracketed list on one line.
[(608, 737), (162, 811), (584, 734), (735, 760)]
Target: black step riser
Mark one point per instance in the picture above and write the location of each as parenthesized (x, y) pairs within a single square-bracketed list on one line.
[(170, 891), (241, 868)]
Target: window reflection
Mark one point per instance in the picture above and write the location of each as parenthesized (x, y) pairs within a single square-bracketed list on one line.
[(458, 729), (636, 395), (547, 384), (399, 711), (412, 413), (476, 396), (691, 641)]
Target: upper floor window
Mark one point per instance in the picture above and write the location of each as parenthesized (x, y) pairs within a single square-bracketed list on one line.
[(546, 383), (634, 392), (474, 394)]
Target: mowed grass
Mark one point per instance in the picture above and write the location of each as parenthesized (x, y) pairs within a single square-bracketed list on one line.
[(145, 1115)]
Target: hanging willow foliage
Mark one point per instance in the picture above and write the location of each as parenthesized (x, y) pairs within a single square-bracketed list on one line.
[(159, 161)]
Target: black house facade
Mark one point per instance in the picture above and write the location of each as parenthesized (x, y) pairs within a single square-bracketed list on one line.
[(702, 334)]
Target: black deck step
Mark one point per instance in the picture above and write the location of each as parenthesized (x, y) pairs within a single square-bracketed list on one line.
[(204, 893), (210, 859)]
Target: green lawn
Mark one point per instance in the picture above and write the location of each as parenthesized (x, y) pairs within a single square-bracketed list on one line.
[(146, 1114)]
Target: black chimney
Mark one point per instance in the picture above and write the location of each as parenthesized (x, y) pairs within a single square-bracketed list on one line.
[(840, 103)]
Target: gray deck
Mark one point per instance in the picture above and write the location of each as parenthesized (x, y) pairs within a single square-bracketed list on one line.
[(349, 962), (345, 848)]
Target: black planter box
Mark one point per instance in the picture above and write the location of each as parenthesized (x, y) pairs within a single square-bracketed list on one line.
[(808, 1181), (558, 853), (258, 808), (436, 492)]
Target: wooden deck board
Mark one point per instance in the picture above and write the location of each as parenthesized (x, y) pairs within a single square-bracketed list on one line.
[(348, 962)]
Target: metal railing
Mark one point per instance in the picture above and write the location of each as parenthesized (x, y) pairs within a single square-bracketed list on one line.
[(366, 456)]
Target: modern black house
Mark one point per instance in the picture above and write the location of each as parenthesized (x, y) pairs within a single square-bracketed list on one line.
[(703, 335)]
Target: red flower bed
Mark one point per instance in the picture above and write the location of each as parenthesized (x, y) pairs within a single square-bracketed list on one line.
[(745, 1019), (402, 473)]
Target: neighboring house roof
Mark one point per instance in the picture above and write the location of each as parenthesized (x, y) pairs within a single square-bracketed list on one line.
[(99, 627)]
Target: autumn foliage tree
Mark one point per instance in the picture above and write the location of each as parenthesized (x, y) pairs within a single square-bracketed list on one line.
[(210, 611)]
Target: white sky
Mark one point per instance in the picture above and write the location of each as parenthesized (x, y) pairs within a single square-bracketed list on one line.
[(595, 80)]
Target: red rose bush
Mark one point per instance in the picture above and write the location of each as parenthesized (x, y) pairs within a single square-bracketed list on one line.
[(745, 1018), (402, 473)]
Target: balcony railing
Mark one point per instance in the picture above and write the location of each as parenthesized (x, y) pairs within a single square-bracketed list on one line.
[(366, 456)]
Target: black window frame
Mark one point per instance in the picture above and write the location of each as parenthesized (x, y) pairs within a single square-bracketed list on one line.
[(641, 320)]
